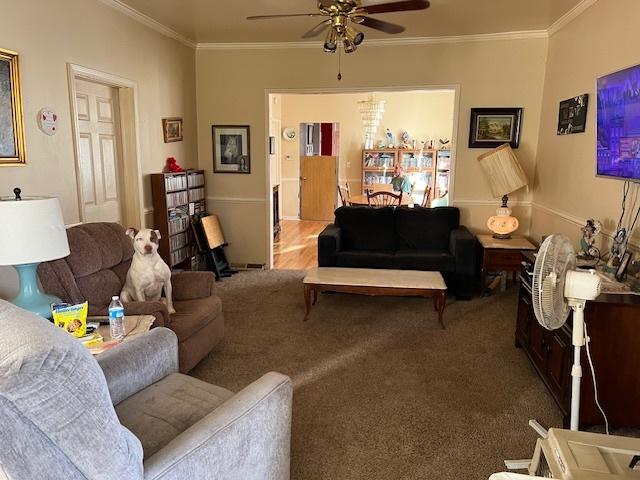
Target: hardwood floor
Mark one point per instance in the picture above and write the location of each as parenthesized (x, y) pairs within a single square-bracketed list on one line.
[(297, 247)]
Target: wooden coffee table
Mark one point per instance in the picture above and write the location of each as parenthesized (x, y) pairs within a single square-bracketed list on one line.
[(374, 282)]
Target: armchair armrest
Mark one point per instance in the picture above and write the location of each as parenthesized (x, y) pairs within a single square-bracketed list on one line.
[(135, 365), (248, 436), (462, 245), (329, 243), (192, 285), (157, 309)]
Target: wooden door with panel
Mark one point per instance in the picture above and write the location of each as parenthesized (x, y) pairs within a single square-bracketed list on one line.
[(99, 151), (318, 183)]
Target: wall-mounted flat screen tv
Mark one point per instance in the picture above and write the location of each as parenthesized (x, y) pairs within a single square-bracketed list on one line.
[(618, 125)]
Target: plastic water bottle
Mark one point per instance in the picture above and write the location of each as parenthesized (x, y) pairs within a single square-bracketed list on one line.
[(116, 319)]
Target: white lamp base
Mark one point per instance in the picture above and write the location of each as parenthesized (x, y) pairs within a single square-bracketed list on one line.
[(502, 224)]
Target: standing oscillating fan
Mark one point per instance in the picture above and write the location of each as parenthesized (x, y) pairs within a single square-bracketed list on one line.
[(557, 288)]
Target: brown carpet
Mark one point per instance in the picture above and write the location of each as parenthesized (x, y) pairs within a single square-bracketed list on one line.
[(380, 391)]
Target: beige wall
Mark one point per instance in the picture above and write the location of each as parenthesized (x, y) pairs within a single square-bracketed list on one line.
[(424, 114), (601, 40), (48, 35), (231, 89)]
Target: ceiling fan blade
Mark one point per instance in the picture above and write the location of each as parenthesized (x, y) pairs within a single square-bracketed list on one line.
[(381, 25), (402, 6), (266, 17), (317, 30)]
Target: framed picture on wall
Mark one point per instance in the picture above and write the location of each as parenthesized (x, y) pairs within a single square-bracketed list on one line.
[(231, 145), (12, 150), (572, 115), (492, 127), (172, 129)]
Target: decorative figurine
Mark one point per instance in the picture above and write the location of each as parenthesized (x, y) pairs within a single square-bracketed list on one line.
[(587, 243), (405, 140), (391, 141), (381, 145), (618, 248), (444, 143)]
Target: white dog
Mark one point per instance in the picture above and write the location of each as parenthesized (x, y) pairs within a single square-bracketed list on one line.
[(148, 273)]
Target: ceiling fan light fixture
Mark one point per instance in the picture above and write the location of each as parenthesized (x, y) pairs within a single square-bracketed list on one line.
[(331, 41), (349, 45), (354, 35)]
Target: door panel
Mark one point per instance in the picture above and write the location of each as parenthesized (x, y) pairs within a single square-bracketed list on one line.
[(318, 184), (98, 151), (557, 363), (538, 346)]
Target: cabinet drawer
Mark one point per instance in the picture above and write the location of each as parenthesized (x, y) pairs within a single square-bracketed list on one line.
[(502, 260)]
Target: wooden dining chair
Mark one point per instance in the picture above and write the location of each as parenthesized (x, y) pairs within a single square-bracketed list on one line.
[(345, 194), (426, 200), (383, 199)]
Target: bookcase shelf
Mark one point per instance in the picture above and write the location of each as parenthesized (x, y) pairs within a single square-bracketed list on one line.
[(421, 166), (176, 196)]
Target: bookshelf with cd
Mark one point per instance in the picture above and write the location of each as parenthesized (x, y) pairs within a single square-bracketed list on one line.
[(177, 196)]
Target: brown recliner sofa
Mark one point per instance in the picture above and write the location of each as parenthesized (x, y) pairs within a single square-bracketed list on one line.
[(96, 270)]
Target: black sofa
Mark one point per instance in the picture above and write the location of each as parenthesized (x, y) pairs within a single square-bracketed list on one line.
[(402, 238)]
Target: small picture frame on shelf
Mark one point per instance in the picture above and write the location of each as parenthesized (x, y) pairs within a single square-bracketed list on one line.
[(231, 148), (492, 127), (172, 129)]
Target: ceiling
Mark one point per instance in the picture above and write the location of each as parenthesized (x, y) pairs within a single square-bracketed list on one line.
[(223, 21)]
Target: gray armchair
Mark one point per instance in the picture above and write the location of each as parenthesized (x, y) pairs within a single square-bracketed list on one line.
[(130, 415)]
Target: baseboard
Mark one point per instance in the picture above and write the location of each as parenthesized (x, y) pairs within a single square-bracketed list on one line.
[(247, 266)]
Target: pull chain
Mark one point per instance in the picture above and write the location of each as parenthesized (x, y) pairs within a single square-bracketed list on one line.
[(339, 63)]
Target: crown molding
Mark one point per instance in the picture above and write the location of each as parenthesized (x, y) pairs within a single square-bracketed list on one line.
[(149, 22), (568, 17), (376, 42), (381, 42)]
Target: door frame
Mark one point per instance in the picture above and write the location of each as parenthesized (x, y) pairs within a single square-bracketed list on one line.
[(327, 90), (129, 135)]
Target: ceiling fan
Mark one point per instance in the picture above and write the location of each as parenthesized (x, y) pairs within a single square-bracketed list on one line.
[(342, 14)]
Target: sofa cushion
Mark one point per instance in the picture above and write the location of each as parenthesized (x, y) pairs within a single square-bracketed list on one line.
[(366, 228), (97, 246), (362, 259), (192, 315), (99, 287), (162, 411), (425, 228), (432, 260)]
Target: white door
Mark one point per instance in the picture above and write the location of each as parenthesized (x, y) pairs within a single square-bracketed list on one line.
[(99, 150)]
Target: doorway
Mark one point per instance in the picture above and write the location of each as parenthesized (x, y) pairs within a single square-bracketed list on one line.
[(318, 182), (422, 122), (108, 172)]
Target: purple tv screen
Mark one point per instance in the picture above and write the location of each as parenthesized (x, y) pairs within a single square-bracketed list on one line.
[(618, 146)]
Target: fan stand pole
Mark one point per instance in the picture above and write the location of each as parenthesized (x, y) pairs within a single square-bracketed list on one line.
[(576, 370)]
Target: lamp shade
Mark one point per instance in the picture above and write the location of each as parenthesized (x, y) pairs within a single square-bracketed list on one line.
[(33, 230), (502, 169)]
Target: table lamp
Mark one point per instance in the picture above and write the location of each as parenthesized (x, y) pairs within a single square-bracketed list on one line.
[(505, 175), (33, 231)]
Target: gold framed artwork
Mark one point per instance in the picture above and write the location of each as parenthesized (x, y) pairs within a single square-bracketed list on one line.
[(12, 144), (172, 129)]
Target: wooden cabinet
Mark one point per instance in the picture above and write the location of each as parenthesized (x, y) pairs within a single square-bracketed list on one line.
[(419, 165), (177, 196), (613, 323)]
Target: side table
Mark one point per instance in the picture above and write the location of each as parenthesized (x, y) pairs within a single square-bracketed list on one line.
[(134, 325), (501, 255)]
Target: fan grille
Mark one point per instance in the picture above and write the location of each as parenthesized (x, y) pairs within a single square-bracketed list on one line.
[(555, 258)]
